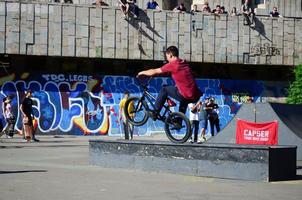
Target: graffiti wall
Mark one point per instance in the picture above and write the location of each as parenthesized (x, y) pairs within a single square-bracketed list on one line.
[(89, 104)]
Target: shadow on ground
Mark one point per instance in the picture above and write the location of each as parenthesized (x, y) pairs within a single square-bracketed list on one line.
[(21, 171)]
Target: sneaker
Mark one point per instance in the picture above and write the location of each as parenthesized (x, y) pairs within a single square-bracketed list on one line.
[(35, 140), (9, 137)]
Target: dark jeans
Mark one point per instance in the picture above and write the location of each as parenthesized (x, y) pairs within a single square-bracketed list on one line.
[(128, 130), (195, 127), (10, 130), (214, 122), (172, 91)]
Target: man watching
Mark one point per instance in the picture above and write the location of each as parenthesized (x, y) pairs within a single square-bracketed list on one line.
[(275, 12), (152, 5)]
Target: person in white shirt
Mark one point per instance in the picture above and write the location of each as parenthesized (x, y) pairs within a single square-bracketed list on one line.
[(10, 118), (194, 119)]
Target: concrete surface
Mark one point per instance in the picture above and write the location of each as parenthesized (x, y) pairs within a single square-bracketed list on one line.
[(57, 168)]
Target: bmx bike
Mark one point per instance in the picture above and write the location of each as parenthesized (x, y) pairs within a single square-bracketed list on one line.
[(137, 111)]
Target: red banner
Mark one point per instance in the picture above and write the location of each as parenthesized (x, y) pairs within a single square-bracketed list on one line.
[(257, 133)]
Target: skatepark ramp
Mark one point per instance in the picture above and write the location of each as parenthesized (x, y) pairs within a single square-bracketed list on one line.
[(288, 116)]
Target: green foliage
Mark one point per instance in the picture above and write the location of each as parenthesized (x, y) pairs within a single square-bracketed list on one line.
[(295, 88)]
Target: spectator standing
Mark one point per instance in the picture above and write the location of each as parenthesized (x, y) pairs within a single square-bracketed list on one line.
[(127, 127), (2, 132), (10, 118), (222, 10), (275, 13), (124, 7), (194, 119), (234, 12), (248, 13), (203, 119), (28, 116), (129, 5), (180, 8), (213, 115), (217, 10), (194, 9), (206, 8), (249, 99), (133, 8), (152, 5)]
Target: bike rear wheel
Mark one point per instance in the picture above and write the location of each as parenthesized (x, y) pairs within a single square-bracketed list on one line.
[(135, 111), (178, 127)]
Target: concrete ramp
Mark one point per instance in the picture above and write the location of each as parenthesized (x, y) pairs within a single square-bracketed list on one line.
[(291, 115), (288, 116)]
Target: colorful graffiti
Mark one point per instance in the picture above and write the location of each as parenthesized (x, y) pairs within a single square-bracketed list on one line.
[(88, 105)]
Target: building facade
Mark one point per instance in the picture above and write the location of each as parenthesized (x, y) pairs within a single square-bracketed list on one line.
[(79, 59)]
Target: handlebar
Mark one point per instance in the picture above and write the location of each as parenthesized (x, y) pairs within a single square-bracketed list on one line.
[(143, 81)]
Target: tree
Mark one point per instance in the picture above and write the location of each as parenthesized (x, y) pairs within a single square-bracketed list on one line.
[(295, 88)]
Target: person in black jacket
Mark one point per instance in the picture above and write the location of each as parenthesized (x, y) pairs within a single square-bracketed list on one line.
[(212, 111), (28, 116)]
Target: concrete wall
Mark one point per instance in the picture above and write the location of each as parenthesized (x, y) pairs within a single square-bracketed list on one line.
[(87, 31)]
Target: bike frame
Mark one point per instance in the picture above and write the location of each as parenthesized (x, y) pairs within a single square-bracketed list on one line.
[(150, 99), (174, 121)]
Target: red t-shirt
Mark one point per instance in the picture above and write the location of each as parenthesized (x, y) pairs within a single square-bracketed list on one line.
[(182, 75)]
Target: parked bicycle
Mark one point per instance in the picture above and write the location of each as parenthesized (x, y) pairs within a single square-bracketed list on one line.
[(137, 109)]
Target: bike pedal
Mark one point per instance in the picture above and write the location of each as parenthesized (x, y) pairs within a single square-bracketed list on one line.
[(177, 126), (152, 115)]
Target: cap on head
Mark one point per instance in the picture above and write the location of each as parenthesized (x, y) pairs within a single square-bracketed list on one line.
[(27, 92), (7, 100)]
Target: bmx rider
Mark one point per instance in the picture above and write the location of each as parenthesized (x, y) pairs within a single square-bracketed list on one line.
[(185, 91)]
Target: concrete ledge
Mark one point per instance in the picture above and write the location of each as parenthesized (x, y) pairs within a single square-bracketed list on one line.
[(265, 163)]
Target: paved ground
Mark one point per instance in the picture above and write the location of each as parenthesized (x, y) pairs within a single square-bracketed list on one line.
[(58, 168)]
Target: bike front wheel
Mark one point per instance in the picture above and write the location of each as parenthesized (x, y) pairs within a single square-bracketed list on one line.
[(178, 127), (135, 111)]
